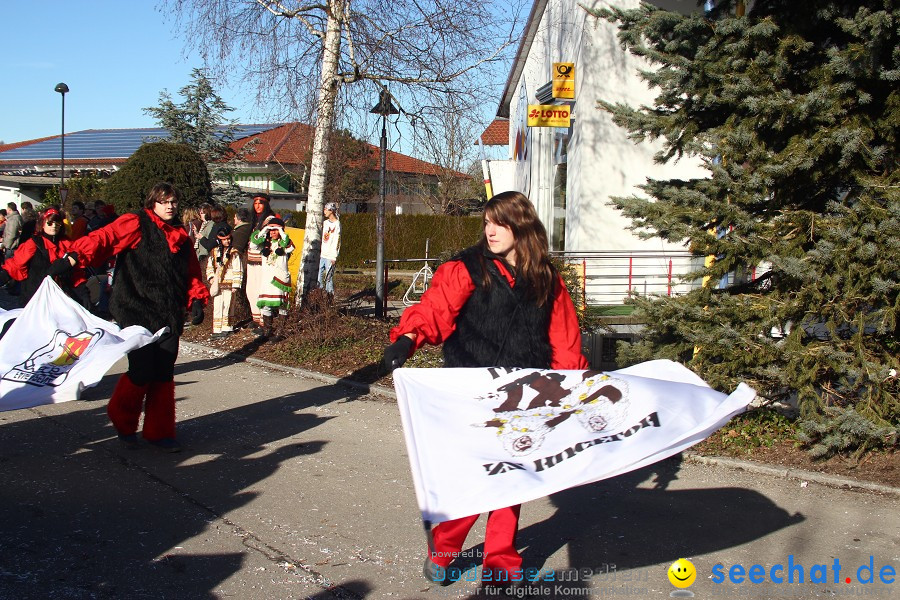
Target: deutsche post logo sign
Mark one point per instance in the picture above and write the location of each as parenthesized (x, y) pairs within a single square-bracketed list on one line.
[(564, 80), (549, 115)]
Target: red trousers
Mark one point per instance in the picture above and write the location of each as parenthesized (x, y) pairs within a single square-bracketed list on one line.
[(124, 408), (499, 539)]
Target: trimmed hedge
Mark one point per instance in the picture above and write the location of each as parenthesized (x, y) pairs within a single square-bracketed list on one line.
[(404, 237)]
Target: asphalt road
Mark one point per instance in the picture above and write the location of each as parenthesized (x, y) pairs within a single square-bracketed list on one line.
[(294, 488)]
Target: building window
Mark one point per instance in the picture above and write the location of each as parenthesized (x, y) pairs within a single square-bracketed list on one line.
[(560, 170)]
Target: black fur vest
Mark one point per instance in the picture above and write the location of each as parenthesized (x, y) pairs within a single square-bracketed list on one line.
[(37, 269), (151, 283), (500, 326)]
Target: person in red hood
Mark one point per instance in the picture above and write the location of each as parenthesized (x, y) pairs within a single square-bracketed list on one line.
[(40, 255), (157, 280)]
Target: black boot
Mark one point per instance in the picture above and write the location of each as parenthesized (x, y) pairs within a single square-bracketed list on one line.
[(258, 330), (274, 336), (268, 326)]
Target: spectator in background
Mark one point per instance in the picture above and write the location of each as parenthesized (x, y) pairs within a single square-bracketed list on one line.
[(99, 218), (11, 234), (242, 229), (77, 221), (2, 228), (29, 222), (262, 213), (225, 275), (12, 231), (203, 232), (109, 214), (239, 313), (219, 218), (275, 248), (331, 246), (191, 219)]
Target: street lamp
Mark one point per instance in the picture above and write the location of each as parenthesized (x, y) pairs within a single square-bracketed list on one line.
[(383, 108), (62, 88)]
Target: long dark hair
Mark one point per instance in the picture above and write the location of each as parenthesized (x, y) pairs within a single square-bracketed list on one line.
[(259, 220), (533, 266)]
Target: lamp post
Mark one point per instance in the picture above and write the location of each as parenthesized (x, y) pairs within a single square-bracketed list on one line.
[(62, 88), (383, 108)]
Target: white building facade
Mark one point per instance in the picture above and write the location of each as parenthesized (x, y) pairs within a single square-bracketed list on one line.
[(571, 173)]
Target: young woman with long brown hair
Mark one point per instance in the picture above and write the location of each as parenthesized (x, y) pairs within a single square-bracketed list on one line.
[(499, 303)]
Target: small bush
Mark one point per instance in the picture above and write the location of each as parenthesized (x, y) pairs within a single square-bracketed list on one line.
[(844, 430)]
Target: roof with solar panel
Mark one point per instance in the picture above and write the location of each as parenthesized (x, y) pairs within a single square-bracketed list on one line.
[(93, 146), (101, 149)]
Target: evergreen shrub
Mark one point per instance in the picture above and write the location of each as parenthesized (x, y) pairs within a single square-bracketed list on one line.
[(152, 163), (792, 109)]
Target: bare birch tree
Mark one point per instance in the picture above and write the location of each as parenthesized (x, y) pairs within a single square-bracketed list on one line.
[(294, 50), (445, 136)]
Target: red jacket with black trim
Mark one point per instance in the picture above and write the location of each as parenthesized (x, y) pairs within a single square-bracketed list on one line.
[(125, 233), (17, 265)]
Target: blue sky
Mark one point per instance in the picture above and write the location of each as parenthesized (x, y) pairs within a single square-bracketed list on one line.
[(116, 56)]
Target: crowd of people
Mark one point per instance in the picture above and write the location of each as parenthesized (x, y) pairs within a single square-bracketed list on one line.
[(244, 264)]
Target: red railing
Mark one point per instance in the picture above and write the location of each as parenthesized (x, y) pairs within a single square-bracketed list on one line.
[(610, 277)]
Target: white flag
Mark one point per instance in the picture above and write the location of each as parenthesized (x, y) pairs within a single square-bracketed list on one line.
[(482, 439), (55, 349)]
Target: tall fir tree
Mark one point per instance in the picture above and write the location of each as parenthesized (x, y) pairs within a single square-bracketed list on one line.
[(201, 122), (793, 108)]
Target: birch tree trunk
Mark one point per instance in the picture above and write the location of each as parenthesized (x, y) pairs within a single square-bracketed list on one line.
[(328, 92)]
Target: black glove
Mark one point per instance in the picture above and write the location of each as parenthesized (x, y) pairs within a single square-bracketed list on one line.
[(279, 251), (266, 251), (397, 353), (4, 277), (196, 312), (60, 266)]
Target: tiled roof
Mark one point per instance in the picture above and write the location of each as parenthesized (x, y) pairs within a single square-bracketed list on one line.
[(496, 134), (292, 143)]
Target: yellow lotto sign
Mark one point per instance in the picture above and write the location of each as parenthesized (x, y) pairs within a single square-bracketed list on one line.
[(549, 115), (564, 80)]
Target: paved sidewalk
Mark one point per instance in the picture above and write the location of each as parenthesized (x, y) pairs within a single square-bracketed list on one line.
[(296, 486)]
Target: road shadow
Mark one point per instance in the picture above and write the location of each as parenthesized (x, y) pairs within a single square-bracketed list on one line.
[(83, 517), (613, 529)]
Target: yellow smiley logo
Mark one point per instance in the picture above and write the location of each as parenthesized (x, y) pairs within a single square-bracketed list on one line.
[(682, 573)]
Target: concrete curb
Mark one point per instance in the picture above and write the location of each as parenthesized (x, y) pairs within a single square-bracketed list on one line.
[(730, 463), (797, 474), (314, 375)]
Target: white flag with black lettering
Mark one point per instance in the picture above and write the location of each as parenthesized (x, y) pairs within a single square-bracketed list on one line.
[(482, 439), (55, 348)]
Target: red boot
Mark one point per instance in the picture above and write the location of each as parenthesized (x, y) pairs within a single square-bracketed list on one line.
[(159, 414), (124, 408)]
